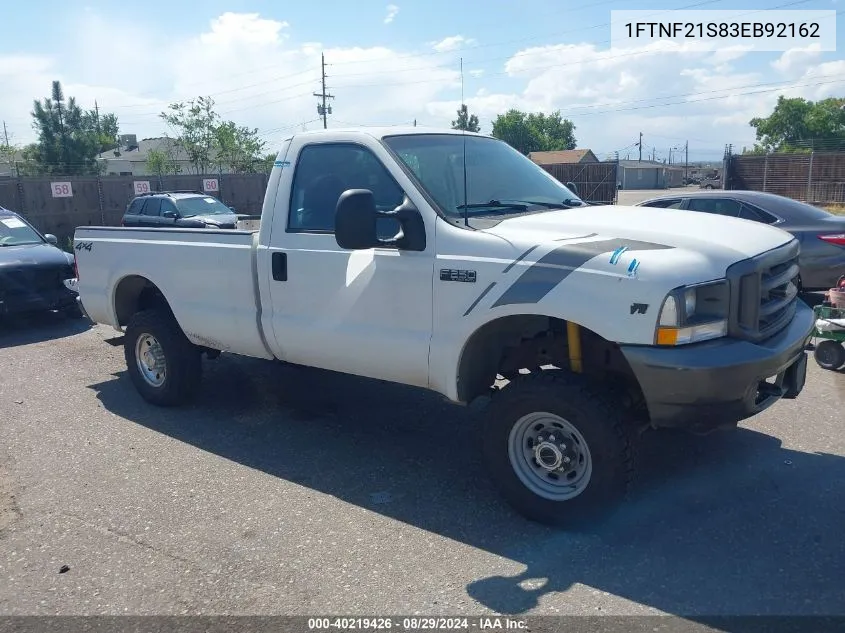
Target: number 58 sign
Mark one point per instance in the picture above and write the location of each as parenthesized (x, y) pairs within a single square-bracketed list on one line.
[(61, 189)]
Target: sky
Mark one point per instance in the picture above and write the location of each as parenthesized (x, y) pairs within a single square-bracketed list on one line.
[(393, 63)]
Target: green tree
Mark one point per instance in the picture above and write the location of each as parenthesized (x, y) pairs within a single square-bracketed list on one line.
[(466, 121), (69, 138), (8, 153), (209, 142), (107, 129), (238, 147), (162, 163), (535, 132), (194, 124), (797, 124), (265, 165)]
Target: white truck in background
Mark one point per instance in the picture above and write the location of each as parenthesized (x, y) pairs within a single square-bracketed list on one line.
[(450, 262)]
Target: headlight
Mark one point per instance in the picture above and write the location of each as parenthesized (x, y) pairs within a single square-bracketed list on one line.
[(690, 314)]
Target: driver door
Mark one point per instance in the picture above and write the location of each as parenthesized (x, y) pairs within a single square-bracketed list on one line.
[(365, 312)]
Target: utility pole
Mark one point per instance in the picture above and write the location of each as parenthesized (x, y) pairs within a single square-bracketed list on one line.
[(652, 154), (5, 134), (686, 160), (640, 145), (324, 110)]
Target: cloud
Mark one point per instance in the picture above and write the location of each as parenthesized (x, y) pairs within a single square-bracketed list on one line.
[(259, 75), (670, 91), (451, 43), (392, 10), (245, 62), (796, 61)]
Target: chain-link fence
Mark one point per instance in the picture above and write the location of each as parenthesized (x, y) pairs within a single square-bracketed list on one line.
[(815, 177)]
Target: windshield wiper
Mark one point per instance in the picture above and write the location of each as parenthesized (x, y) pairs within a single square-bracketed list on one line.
[(522, 205), (564, 204), (493, 204)]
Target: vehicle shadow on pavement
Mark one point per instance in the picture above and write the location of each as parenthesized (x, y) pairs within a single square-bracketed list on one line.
[(730, 523), (26, 329)]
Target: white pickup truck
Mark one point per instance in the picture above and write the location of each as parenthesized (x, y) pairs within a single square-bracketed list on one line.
[(451, 262)]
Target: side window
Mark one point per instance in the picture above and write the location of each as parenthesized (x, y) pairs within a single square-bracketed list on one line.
[(674, 203), (152, 206), (168, 205), (719, 206), (324, 172), (135, 207), (748, 212)]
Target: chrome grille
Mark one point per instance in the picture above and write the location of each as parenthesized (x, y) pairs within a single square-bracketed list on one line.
[(764, 293), (778, 293)]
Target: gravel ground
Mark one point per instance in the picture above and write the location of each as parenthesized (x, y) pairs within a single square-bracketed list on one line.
[(295, 491)]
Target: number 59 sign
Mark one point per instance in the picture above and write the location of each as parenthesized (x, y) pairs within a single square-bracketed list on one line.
[(210, 184), (61, 189), (141, 187)]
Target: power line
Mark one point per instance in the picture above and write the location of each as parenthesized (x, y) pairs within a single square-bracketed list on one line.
[(529, 69), (524, 53)]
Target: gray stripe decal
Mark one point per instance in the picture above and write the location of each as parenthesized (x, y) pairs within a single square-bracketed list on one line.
[(519, 259), (480, 297), (551, 269), (530, 250)]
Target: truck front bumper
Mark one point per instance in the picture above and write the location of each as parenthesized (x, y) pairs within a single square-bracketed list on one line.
[(705, 386)]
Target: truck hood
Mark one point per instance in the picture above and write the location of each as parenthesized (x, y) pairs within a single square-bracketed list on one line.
[(719, 238)]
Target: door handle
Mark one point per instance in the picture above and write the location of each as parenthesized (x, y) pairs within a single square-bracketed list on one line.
[(280, 266)]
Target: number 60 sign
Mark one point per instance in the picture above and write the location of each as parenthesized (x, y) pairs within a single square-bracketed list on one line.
[(61, 189)]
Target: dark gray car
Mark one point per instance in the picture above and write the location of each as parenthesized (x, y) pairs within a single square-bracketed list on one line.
[(35, 274), (179, 209), (822, 234)]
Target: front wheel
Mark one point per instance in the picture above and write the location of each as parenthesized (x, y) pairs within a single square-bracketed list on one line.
[(557, 449), (164, 365)]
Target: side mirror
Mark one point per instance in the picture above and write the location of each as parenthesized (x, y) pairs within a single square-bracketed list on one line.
[(571, 186), (355, 220), (355, 223), (233, 209), (52, 239), (172, 215)]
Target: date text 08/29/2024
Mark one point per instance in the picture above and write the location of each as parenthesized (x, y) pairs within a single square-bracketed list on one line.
[(416, 623)]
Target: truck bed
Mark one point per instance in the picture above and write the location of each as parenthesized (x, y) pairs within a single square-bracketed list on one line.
[(208, 277)]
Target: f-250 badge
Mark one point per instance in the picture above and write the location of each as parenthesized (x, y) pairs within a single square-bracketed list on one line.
[(449, 274)]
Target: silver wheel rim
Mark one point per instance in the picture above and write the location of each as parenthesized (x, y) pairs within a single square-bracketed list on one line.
[(149, 356), (550, 456)]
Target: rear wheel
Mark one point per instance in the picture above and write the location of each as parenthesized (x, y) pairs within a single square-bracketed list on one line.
[(830, 355), (164, 365), (557, 449)]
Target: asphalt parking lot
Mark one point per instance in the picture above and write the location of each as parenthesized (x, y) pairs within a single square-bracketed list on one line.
[(295, 491)]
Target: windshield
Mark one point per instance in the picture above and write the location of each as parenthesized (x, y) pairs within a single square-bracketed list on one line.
[(14, 232), (499, 180), (207, 205)]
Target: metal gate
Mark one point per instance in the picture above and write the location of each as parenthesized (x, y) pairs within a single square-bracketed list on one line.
[(596, 182)]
